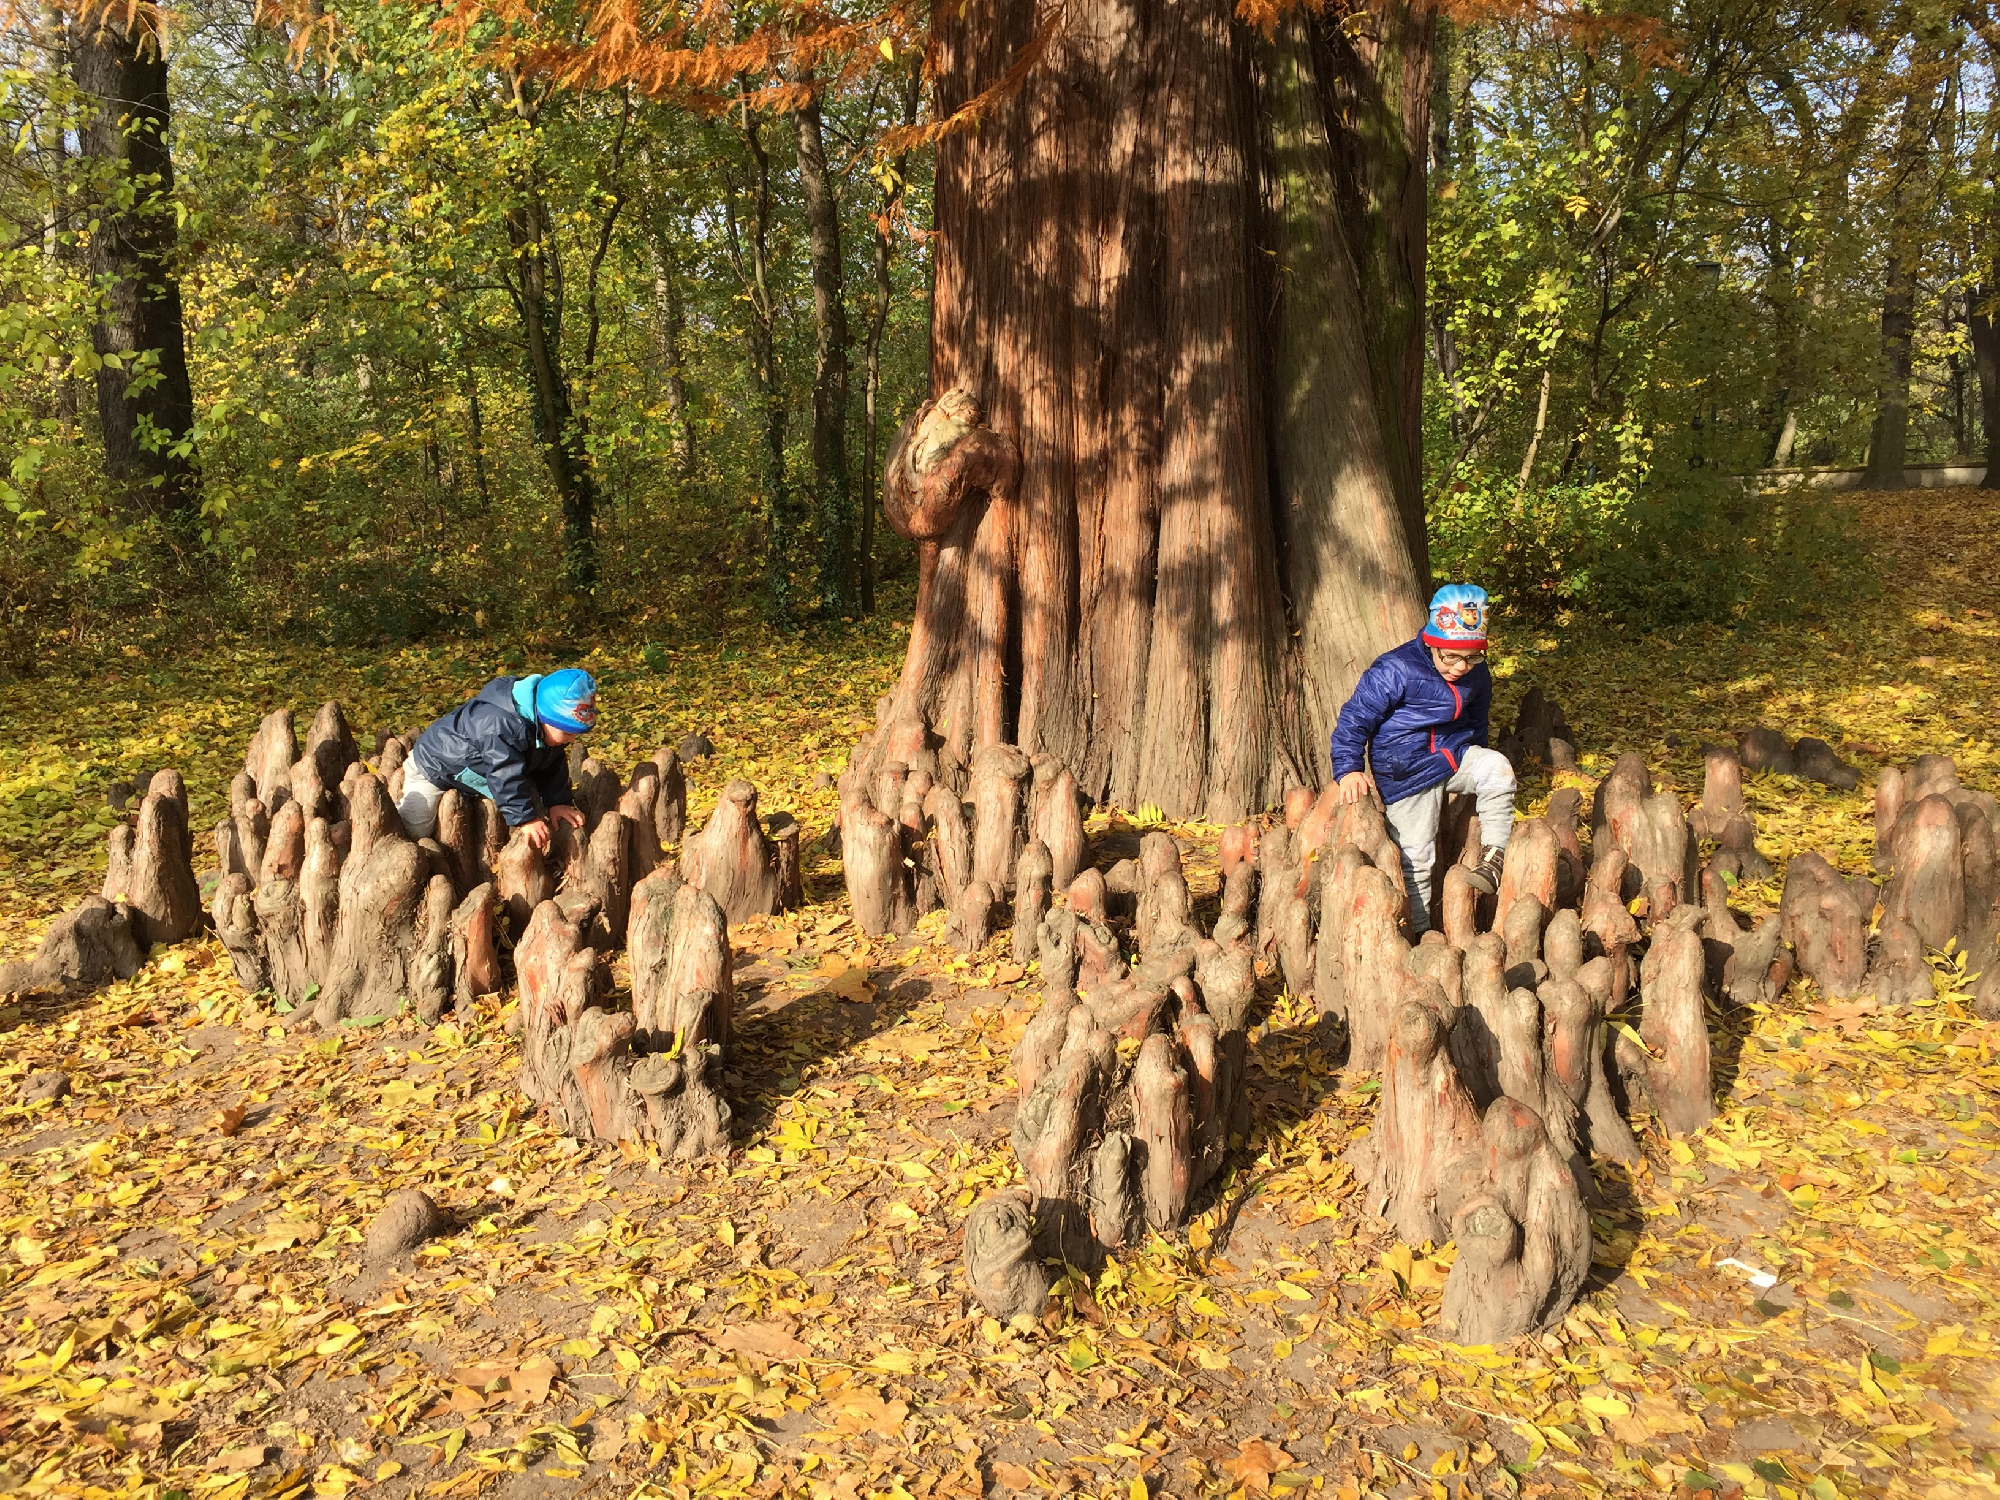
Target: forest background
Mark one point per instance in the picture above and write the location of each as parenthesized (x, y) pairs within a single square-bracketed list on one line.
[(468, 352)]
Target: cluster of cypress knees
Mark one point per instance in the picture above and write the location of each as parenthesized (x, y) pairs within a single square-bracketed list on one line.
[(323, 900), (1501, 1073)]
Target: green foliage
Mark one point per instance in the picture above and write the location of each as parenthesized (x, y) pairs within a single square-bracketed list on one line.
[(1703, 547), (1656, 263), (351, 269)]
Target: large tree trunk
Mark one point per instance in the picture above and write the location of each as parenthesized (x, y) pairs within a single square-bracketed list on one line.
[(120, 65), (1377, 68), (832, 489), (1152, 268)]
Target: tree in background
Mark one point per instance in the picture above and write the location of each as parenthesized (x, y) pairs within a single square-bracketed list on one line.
[(832, 488), (1909, 188), (145, 404)]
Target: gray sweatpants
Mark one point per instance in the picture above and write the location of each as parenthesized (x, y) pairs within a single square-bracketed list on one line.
[(419, 802), (1488, 777)]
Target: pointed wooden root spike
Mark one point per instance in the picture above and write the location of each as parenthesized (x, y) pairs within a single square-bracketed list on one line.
[(1001, 1269)]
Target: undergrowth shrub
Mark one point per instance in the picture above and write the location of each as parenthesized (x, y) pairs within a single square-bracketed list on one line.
[(1696, 548)]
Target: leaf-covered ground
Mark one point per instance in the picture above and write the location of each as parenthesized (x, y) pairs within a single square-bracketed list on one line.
[(1798, 1301)]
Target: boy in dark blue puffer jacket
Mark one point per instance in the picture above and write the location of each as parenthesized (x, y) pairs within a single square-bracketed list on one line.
[(506, 745), (1419, 717)]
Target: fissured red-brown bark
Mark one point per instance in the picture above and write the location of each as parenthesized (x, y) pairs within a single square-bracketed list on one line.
[(1164, 494)]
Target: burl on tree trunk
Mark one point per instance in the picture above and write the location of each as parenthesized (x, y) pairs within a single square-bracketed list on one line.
[(381, 893), (1651, 831), (351, 907), (1723, 817), (1522, 1229), (1167, 504), (1674, 1069), (907, 844), (560, 976), (92, 944), (683, 1006), (1824, 917), (1540, 733), (268, 761), (876, 855), (475, 951)]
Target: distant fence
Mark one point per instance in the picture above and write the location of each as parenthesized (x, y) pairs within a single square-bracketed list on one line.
[(1915, 476)]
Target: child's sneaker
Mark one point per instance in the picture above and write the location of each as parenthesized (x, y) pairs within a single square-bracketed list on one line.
[(1486, 874)]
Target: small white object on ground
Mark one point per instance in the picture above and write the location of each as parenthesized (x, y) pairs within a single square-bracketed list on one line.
[(1762, 1280)]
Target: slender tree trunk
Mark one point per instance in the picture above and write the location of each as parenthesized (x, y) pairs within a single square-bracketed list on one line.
[(536, 283), (750, 254), (1781, 291), (668, 330), (878, 323), (833, 492), (1535, 439), (1888, 442), (1980, 310), (145, 403), (476, 432), (559, 433), (59, 240), (1781, 451), (871, 388), (1454, 69), (1153, 263)]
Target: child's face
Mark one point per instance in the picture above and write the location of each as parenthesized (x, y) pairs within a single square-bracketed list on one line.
[(554, 736), (1453, 665)]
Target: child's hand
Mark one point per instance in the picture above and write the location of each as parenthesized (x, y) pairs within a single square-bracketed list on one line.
[(1355, 785), (537, 834), (569, 817)]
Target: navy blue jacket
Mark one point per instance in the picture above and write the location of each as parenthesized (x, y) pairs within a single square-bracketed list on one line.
[(493, 746), (1410, 723)]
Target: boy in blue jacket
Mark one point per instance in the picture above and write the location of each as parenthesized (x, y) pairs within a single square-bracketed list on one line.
[(506, 745), (1419, 716)]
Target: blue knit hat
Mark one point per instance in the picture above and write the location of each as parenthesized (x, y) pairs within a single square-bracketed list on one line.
[(1458, 618), (567, 700)]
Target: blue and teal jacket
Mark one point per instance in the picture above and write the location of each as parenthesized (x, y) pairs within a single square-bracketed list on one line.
[(493, 746), (1410, 723)]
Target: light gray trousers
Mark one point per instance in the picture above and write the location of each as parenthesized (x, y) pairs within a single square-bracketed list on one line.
[(1488, 778), (419, 803)]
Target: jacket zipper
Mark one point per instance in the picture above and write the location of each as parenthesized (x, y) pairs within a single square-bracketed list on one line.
[(1457, 708)]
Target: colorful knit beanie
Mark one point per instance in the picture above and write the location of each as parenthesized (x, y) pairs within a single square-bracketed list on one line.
[(1458, 618), (567, 700)]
